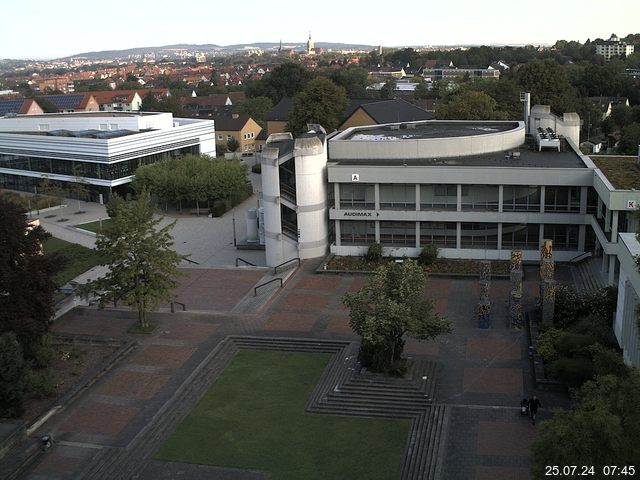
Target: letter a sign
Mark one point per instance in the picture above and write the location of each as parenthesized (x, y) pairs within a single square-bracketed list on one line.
[(355, 177)]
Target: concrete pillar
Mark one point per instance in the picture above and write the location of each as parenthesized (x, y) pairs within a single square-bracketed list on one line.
[(376, 195), (336, 194), (614, 226), (584, 191), (459, 199), (458, 235), (540, 235), (582, 235), (377, 231), (417, 234), (500, 236), (338, 232), (418, 197), (607, 221), (599, 211), (311, 197), (274, 253), (500, 202), (612, 269), (542, 195)]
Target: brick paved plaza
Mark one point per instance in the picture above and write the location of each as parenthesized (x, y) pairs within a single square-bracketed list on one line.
[(483, 375)]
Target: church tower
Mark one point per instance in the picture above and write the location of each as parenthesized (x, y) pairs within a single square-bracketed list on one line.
[(311, 49)]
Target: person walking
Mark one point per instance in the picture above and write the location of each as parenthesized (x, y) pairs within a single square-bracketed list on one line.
[(534, 404)]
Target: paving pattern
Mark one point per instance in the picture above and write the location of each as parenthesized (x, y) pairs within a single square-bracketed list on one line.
[(472, 418)]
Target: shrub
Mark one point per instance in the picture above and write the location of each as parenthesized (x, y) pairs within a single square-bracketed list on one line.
[(547, 344), (257, 168), (428, 255), (13, 373), (573, 371), (374, 254), (40, 383), (607, 361), (572, 344), (598, 327), (44, 353)]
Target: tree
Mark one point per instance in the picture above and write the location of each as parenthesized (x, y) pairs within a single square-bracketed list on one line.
[(142, 266), (390, 306), (257, 108), (548, 83), (354, 80), (26, 284), (79, 187), (630, 140), (286, 80), (388, 90), (469, 105), (54, 189), (13, 375), (233, 145), (151, 103), (603, 429), (321, 102)]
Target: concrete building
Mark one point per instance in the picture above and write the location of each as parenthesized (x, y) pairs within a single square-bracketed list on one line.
[(104, 149), (614, 48), (625, 325)]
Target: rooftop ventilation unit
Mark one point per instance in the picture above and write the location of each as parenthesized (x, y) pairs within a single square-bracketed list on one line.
[(395, 127)]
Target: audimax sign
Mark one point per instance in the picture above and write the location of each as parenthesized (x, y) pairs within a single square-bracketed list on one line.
[(360, 214)]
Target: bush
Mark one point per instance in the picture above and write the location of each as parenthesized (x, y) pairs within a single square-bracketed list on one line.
[(13, 373), (571, 306), (257, 168), (547, 344), (607, 361), (219, 207), (572, 344), (44, 353), (598, 327), (573, 371), (40, 383), (374, 254), (428, 255)]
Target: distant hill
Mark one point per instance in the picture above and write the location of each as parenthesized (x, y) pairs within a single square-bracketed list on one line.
[(211, 48)]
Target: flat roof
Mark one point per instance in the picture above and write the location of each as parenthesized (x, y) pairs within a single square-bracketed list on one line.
[(428, 129), (87, 114), (528, 159), (622, 172)]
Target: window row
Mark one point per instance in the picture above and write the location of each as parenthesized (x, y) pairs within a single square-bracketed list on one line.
[(400, 196), (104, 171), (444, 234)]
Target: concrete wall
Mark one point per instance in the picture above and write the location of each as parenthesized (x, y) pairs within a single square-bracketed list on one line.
[(567, 126), (625, 324), (344, 148)]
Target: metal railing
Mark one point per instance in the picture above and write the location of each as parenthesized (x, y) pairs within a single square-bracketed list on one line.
[(275, 269), (580, 257), (238, 259), (255, 290), (189, 260), (173, 308)]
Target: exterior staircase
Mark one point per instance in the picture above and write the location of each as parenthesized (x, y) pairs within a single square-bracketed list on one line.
[(587, 276)]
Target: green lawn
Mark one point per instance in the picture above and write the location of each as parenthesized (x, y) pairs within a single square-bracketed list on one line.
[(94, 226), (253, 417), (78, 259)]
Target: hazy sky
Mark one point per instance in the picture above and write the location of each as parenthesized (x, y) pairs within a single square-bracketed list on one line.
[(44, 29)]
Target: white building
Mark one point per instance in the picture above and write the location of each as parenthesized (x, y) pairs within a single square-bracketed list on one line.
[(103, 148), (625, 325), (614, 48)]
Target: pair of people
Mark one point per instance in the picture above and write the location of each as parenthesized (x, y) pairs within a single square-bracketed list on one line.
[(530, 407)]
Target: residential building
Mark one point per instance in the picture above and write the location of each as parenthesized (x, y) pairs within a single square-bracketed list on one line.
[(241, 127), (74, 102), (118, 100), (212, 105), (102, 148), (607, 104), (614, 48), (21, 106), (458, 73), (373, 112)]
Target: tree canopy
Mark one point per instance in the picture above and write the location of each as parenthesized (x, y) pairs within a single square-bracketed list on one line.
[(603, 429), (469, 105), (257, 108), (321, 102), (151, 103), (286, 80), (142, 265), (192, 178), (549, 85), (26, 284), (390, 306)]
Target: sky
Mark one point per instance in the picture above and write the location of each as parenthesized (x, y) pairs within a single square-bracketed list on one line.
[(41, 29)]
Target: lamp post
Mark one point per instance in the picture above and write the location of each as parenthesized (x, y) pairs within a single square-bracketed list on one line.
[(233, 219)]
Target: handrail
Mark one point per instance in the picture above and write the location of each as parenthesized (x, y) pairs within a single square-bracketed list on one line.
[(582, 256), (243, 260), (184, 257), (275, 269), (255, 290), (173, 309)]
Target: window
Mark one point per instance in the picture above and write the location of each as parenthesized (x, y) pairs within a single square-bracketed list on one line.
[(520, 236), (220, 137), (398, 196), (357, 195), (441, 234), (518, 198), (565, 237), (479, 235), (562, 199), (398, 234), (229, 137), (480, 197), (438, 197), (353, 232)]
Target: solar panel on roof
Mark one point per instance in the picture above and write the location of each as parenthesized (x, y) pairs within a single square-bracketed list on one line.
[(10, 106), (65, 102)]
